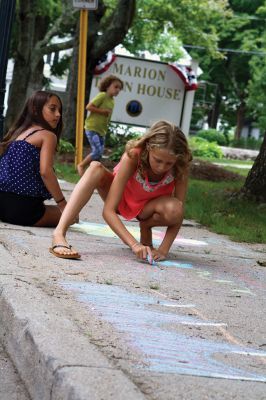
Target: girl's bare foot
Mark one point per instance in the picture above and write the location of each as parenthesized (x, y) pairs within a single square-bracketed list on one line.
[(60, 248), (145, 234)]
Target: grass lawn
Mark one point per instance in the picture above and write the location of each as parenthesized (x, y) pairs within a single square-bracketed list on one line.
[(66, 171), (210, 204)]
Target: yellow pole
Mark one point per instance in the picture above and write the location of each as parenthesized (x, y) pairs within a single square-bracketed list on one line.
[(83, 30)]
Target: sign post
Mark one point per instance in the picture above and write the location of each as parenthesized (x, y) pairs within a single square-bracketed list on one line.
[(84, 6)]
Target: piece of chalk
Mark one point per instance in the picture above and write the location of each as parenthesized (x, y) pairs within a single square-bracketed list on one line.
[(150, 259)]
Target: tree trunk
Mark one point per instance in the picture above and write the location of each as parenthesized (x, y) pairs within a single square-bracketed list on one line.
[(34, 34), (36, 79), (214, 113), (21, 71), (240, 118), (255, 184), (28, 66)]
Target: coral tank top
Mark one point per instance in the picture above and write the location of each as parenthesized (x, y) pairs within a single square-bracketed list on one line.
[(139, 191)]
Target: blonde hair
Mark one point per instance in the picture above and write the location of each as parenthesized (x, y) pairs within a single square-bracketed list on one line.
[(162, 135), (107, 81)]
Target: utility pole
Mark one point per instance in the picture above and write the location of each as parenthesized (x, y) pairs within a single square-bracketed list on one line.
[(7, 11)]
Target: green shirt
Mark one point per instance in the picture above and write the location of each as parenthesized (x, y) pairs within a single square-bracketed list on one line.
[(98, 122)]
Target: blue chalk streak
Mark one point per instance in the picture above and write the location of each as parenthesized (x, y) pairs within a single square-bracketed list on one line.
[(150, 260)]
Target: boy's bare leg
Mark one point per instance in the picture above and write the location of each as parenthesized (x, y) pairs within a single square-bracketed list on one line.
[(81, 167)]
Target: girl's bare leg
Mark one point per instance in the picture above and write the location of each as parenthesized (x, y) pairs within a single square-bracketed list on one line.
[(95, 177), (145, 234), (164, 211), (51, 217)]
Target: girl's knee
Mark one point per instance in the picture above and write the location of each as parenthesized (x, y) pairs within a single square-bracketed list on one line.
[(95, 169), (173, 211), (96, 165), (99, 173)]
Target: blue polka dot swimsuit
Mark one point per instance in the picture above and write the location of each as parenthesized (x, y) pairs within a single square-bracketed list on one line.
[(20, 170)]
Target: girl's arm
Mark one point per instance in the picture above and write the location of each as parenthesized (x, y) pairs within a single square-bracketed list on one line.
[(103, 111), (181, 186), (127, 168), (48, 146)]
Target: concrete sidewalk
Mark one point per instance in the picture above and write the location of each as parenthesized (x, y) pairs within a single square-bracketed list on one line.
[(111, 327)]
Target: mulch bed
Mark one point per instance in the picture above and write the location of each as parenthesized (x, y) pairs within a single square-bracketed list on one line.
[(211, 172)]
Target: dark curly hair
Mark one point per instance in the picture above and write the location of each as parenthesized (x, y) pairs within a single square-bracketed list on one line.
[(107, 81)]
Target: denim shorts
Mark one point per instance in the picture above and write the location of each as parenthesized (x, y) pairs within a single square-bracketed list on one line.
[(96, 143)]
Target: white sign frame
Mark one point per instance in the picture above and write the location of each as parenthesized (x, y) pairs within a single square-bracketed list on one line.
[(85, 4), (149, 76)]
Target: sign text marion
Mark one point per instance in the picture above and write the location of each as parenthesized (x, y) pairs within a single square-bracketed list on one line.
[(151, 74)]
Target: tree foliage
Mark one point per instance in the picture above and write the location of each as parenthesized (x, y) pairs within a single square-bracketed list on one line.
[(157, 27), (242, 35), (161, 27), (257, 85)]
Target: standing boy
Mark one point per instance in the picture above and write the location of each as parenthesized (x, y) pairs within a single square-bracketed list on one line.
[(96, 124)]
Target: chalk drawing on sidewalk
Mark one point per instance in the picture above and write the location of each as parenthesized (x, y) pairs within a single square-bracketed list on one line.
[(149, 330), (104, 230), (175, 264)]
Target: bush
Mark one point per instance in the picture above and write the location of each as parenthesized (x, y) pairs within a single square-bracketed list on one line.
[(118, 134), (212, 135), (202, 148), (65, 147), (116, 154), (117, 137)]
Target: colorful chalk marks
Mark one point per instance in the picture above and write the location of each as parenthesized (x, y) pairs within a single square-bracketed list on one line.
[(174, 264), (105, 231), (148, 327)]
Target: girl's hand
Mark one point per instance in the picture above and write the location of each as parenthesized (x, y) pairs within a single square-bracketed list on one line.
[(141, 251), (157, 255)]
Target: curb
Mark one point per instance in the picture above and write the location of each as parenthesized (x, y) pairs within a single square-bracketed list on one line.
[(48, 363)]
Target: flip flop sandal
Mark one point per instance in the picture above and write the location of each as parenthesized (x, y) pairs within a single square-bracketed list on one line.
[(74, 256)]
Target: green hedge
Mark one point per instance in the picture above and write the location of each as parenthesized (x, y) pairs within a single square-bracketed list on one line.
[(212, 135), (202, 148)]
